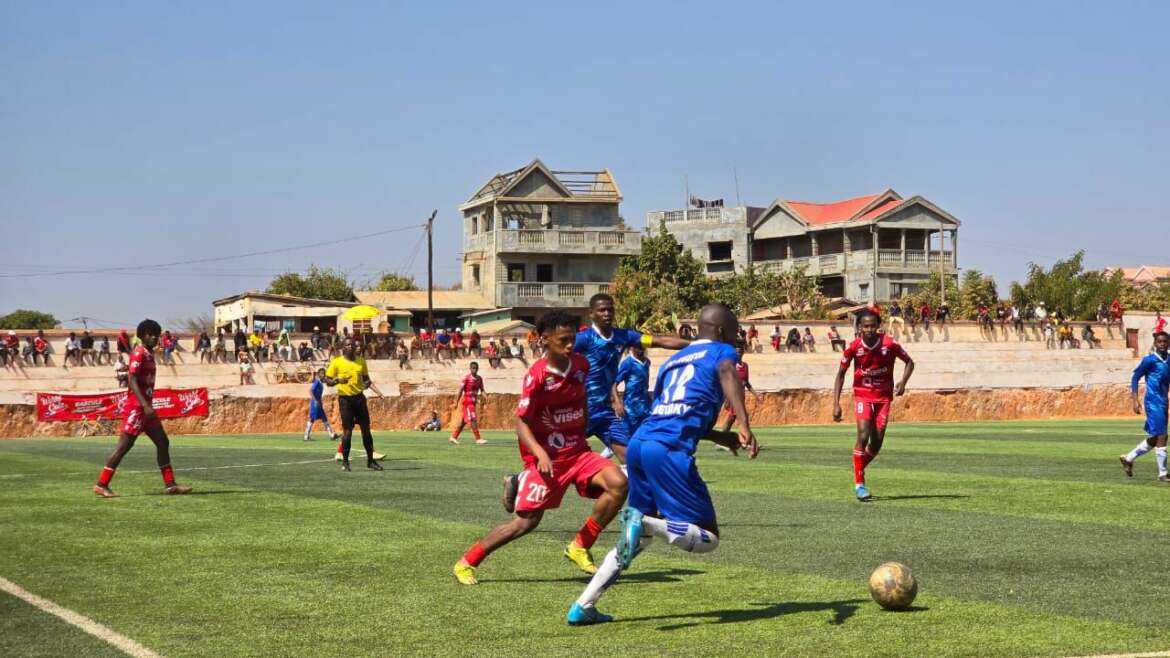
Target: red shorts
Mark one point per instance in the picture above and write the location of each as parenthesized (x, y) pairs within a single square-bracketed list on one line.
[(877, 411), (537, 492), (469, 412), (135, 422)]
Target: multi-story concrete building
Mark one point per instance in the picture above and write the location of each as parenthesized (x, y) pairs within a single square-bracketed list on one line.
[(535, 238), (875, 247)]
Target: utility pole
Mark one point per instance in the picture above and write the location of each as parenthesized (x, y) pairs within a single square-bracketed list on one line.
[(431, 273)]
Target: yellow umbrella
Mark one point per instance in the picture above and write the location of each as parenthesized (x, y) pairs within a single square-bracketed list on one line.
[(361, 312)]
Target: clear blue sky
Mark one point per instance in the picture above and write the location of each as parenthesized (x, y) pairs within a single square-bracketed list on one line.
[(150, 132)]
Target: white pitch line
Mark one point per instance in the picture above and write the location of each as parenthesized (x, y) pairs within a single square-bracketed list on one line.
[(128, 646), (1149, 655), (177, 470)]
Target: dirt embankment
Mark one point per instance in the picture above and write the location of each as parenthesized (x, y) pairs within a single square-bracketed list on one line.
[(268, 415)]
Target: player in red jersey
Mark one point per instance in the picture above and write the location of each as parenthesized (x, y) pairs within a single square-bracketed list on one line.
[(140, 416), (872, 356), (744, 375), (551, 421), (470, 394)]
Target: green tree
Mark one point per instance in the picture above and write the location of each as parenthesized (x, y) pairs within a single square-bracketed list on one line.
[(26, 319), (316, 283), (930, 293), (1069, 287), (660, 284), (803, 295), (393, 282), (976, 289)]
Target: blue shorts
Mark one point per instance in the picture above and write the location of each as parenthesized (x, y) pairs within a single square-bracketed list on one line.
[(633, 420), (665, 482), (316, 412), (1155, 419), (605, 425)]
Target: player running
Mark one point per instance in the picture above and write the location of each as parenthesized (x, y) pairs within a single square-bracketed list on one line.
[(744, 375), (872, 356), (602, 344), (350, 375), (668, 499), (1155, 368), (550, 422), (141, 416), (634, 374), (317, 407), (471, 394)]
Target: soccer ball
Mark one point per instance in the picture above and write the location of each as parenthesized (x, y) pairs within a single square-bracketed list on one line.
[(893, 586)]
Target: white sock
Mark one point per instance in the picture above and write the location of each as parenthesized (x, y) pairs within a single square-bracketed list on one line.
[(1160, 455), (328, 427), (606, 575), (607, 453), (308, 429), (1142, 448), (625, 471), (687, 536)]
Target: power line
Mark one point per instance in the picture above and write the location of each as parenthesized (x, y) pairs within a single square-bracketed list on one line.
[(215, 259)]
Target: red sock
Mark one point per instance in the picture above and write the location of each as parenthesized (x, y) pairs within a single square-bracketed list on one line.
[(475, 554), (168, 474), (859, 463), (457, 432), (476, 433), (869, 456), (339, 448), (105, 477), (587, 535)]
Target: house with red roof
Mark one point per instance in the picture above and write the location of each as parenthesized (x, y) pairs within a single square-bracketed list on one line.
[(873, 247)]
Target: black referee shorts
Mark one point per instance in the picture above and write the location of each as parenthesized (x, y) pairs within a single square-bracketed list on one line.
[(353, 411)]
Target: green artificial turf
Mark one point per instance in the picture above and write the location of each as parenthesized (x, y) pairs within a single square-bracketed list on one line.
[(1026, 539)]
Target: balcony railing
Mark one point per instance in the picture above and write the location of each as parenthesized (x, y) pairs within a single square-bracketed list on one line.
[(693, 215), (617, 242), (548, 294), (837, 263)]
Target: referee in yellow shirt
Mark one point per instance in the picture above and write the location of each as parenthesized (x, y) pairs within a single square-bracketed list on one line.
[(350, 375)]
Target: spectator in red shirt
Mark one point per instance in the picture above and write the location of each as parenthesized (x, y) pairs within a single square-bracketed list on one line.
[(41, 348), (11, 349), (124, 343)]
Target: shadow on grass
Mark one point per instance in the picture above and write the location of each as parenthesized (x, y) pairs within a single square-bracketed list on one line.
[(197, 492), (842, 611), (920, 497), (670, 576)]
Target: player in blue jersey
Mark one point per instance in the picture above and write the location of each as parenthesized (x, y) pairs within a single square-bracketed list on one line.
[(1155, 368), (316, 407), (667, 498), (633, 404), (602, 345)]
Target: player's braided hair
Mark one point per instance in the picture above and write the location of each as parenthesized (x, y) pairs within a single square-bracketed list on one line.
[(554, 320), (148, 327), (1159, 334)]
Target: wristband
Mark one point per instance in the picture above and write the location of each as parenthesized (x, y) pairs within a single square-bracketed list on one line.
[(646, 340)]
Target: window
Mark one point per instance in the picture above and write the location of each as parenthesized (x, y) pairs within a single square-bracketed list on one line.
[(544, 272), (474, 224), (719, 250), (475, 275), (515, 272), (361, 326)]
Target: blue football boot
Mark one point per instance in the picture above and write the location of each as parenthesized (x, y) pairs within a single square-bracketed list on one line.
[(628, 536), (862, 492), (580, 616)]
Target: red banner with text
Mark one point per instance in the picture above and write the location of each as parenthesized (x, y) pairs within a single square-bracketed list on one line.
[(168, 402)]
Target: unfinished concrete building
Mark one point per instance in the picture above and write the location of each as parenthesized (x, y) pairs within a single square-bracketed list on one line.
[(536, 238), (871, 248)]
